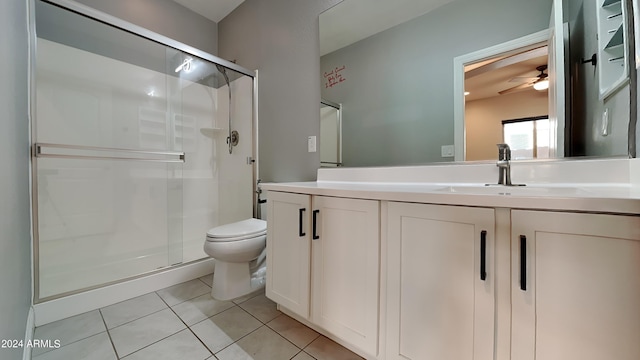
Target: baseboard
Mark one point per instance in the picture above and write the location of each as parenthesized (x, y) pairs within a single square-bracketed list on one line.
[(28, 334), (57, 309)]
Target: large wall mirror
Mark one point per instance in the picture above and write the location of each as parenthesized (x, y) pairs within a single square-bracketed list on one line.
[(400, 71)]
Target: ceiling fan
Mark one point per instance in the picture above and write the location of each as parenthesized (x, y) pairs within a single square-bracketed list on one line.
[(540, 82)]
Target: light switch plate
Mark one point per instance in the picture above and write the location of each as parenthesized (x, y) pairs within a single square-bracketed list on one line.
[(311, 144), (447, 150), (605, 122)]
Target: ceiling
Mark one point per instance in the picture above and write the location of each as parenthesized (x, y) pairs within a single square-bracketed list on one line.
[(496, 78), (214, 10), (337, 28)]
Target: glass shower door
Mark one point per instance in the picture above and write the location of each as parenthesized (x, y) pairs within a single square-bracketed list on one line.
[(131, 161), (108, 163)]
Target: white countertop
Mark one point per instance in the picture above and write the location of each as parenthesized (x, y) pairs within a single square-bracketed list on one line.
[(605, 198), (600, 185)]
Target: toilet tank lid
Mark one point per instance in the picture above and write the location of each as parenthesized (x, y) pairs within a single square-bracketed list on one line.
[(240, 228)]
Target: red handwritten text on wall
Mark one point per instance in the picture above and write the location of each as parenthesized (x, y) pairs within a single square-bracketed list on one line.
[(334, 77)]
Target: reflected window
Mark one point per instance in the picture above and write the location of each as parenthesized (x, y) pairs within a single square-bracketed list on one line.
[(528, 138)]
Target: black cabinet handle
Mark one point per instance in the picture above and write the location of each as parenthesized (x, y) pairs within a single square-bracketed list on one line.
[(301, 233), (315, 223), (483, 255), (523, 263)]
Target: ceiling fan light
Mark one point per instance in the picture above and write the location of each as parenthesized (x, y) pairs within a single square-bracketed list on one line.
[(541, 85)]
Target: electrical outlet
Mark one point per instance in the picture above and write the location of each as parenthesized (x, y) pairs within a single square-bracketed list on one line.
[(311, 144), (447, 150)]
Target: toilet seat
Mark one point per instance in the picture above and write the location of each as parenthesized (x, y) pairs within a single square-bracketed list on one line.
[(245, 229)]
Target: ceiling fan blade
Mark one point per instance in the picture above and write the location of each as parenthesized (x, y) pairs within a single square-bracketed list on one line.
[(515, 88), (523, 79)]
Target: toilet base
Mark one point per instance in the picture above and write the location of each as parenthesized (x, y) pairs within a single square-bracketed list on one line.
[(233, 280)]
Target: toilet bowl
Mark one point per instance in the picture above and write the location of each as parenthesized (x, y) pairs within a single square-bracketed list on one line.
[(239, 250)]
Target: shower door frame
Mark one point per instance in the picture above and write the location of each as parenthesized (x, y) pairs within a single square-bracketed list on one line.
[(118, 23)]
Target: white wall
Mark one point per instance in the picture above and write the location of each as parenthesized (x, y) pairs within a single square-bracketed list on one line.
[(280, 39), (483, 119), (165, 17), (15, 240)]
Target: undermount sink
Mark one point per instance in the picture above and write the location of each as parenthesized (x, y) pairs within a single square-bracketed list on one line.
[(513, 190)]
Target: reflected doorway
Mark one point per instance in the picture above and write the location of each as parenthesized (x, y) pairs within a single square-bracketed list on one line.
[(330, 134), (506, 86)]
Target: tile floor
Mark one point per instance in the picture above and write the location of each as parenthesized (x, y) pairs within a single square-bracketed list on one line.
[(184, 322)]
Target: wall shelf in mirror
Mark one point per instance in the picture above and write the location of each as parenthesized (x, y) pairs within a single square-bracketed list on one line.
[(613, 69), (610, 2)]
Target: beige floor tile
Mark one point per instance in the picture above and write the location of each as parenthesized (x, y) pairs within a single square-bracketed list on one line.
[(303, 356), (133, 309), (96, 347), (261, 308), (143, 332), (262, 344), (242, 299), (183, 345), (69, 330), (294, 331), (197, 309), (176, 294), (325, 349), (207, 279), (220, 331)]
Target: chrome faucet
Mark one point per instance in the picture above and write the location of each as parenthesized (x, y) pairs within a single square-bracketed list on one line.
[(504, 166)]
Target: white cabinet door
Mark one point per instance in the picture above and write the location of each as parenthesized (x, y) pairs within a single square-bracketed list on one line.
[(575, 286), (440, 284), (345, 275), (289, 251)]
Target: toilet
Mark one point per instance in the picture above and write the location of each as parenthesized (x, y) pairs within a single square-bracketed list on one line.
[(239, 250)]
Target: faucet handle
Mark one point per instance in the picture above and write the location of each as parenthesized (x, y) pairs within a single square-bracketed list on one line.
[(504, 152)]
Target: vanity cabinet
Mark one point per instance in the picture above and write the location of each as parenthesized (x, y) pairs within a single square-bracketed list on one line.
[(575, 286), (440, 282), (457, 282), (323, 262), (289, 251)]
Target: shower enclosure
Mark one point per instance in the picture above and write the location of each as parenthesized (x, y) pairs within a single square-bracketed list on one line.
[(131, 158)]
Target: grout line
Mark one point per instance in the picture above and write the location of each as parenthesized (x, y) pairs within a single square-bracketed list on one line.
[(109, 334), (164, 338), (204, 282), (153, 343), (189, 327), (73, 342), (301, 348), (191, 298), (270, 328), (136, 319)]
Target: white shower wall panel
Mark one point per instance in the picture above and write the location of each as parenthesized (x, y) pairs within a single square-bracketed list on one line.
[(236, 173), (200, 170)]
